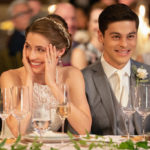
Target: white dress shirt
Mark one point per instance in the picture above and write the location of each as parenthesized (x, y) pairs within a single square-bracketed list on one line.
[(111, 72)]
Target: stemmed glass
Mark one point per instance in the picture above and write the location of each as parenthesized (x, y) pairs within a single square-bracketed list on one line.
[(41, 116), (63, 108), (5, 107), (142, 102), (21, 104), (128, 110)]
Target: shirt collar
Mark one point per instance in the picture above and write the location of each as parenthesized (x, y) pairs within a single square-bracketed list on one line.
[(110, 70)]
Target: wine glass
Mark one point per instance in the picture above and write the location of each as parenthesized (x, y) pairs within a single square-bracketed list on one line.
[(142, 102), (41, 116), (128, 110), (20, 104), (63, 108), (5, 107)]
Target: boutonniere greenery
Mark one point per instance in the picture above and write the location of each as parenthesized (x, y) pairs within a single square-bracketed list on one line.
[(141, 74)]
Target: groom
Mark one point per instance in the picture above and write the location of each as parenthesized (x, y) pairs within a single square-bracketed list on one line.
[(108, 81)]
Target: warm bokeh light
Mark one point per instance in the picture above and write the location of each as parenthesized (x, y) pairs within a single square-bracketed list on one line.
[(142, 10), (6, 25), (143, 26), (51, 9), (143, 32)]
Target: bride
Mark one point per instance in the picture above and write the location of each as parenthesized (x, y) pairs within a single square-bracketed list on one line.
[(47, 39)]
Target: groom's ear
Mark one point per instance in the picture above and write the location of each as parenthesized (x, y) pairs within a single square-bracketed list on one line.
[(100, 36)]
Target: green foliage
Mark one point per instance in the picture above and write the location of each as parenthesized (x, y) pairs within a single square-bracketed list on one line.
[(2, 143), (36, 145), (84, 142), (87, 135), (126, 145), (53, 148), (143, 144), (70, 135), (17, 146)]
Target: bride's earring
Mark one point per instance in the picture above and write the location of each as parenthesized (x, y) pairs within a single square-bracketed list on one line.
[(60, 63)]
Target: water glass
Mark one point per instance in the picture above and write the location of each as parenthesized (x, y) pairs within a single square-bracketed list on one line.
[(128, 110), (142, 102), (5, 107), (63, 108), (20, 104), (41, 116)]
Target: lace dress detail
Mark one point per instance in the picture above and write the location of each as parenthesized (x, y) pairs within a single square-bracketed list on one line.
[(43, 93)]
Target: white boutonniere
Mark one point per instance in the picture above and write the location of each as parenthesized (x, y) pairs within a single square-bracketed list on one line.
[(141, 74)]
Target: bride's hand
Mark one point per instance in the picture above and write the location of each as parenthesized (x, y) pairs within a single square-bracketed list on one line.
[(50, 65), (29, 72)]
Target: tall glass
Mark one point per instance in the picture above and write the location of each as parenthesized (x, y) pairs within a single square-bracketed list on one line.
[(142, 102), (41, 117), (20, 104), (64, 109), (41, 112), (5, 107), (128, 110)]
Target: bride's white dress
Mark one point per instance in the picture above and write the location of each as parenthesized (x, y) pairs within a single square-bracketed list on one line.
[(42, 92)]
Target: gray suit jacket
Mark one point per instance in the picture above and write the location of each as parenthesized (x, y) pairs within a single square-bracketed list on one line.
[(105, 110)]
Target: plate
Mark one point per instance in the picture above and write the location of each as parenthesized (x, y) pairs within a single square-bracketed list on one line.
[(106, 138), (48, 137), (114, 138)]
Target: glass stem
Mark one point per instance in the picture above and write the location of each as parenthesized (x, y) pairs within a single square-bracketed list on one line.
[(3, 129), (63, 124), (143, 119), (40, 136), (128, 128), (19, 129)]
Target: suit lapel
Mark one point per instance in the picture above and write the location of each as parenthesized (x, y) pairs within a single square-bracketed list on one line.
[(103, 87), (132, 77)]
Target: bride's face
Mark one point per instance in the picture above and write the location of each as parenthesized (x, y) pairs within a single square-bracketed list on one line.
[(35, 48)]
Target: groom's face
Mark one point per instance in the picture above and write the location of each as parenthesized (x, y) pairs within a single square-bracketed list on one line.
[(119, 42)]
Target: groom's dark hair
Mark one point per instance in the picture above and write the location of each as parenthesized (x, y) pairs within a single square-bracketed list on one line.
[(117, 12)]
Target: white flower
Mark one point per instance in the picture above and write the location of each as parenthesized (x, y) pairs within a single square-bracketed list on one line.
[(142, 73)]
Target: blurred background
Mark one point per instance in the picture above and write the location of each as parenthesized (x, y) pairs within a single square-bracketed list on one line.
[(14, 21)]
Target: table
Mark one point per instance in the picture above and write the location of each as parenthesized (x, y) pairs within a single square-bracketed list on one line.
[(68, 145)]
